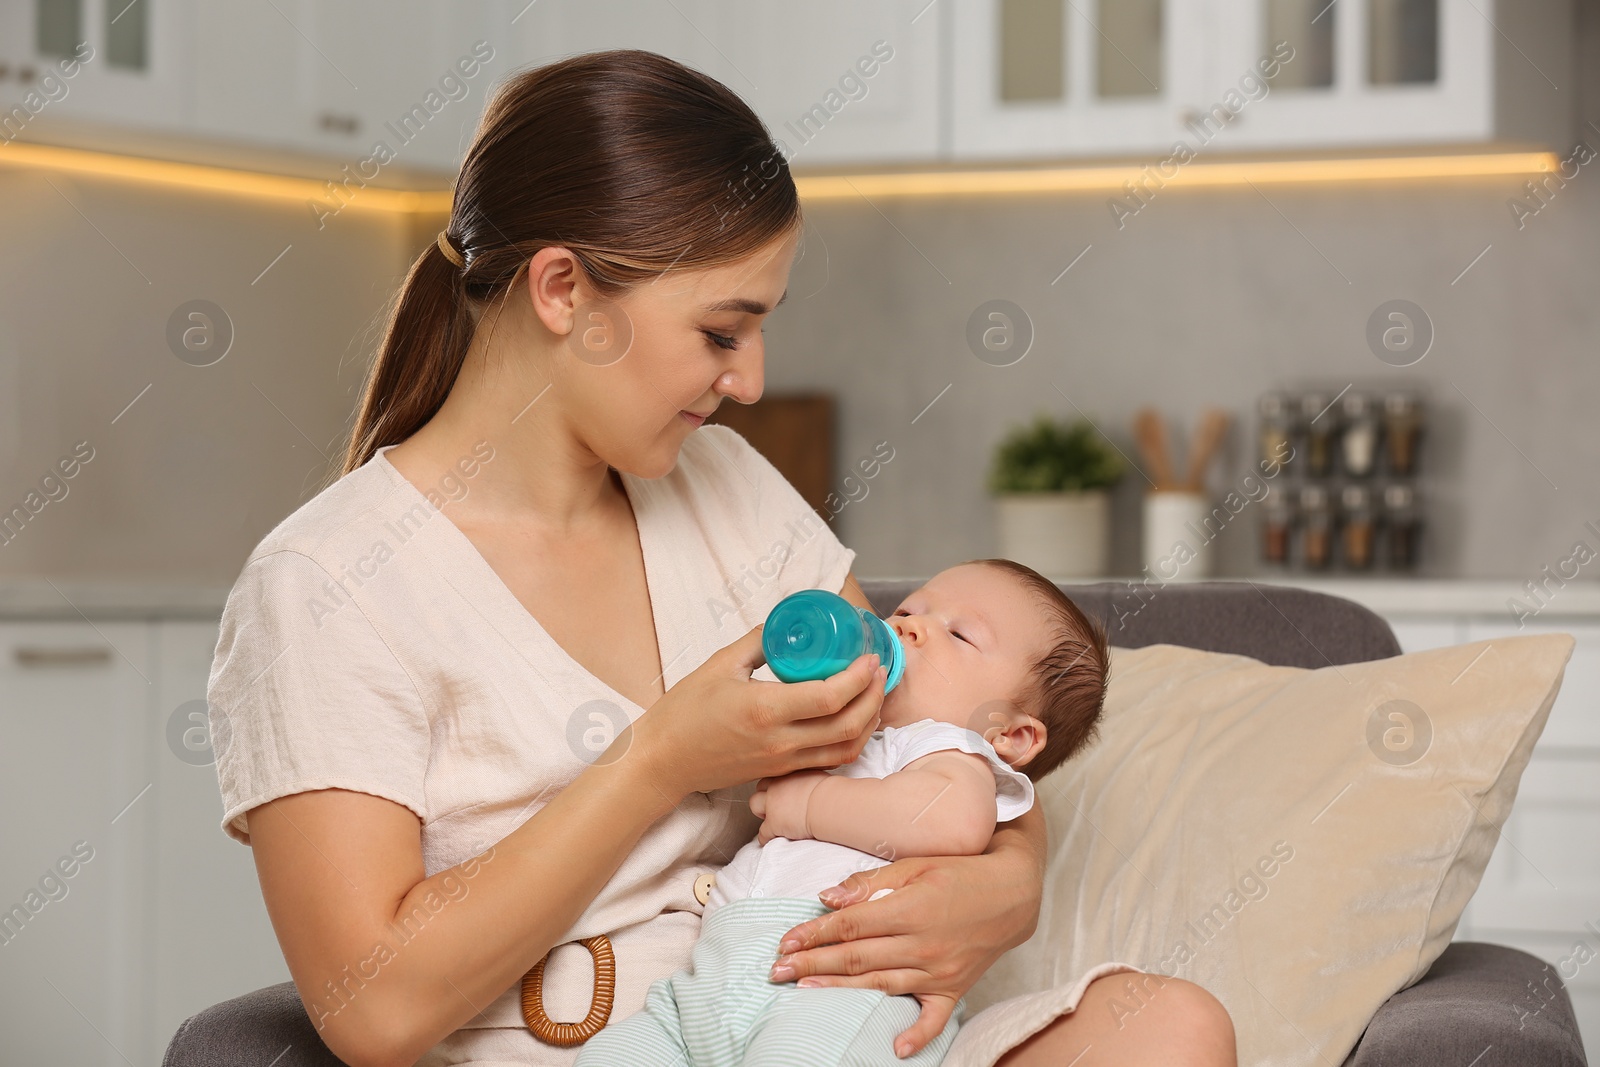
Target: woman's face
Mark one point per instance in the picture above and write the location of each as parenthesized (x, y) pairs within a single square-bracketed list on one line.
[(634, 370)]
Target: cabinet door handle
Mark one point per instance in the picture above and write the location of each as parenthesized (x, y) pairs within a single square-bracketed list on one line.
[(61, 657), (349, 125)]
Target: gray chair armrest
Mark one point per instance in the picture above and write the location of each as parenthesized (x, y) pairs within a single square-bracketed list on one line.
[(267, 1026), (1475, 998)]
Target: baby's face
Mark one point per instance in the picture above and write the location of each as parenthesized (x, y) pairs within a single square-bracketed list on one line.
[(971, 634)]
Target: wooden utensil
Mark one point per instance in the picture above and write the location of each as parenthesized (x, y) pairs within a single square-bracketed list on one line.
[(1208, 436), (1151, 433)]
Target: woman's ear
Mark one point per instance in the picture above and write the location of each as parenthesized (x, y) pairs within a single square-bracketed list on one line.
[(554, 281)]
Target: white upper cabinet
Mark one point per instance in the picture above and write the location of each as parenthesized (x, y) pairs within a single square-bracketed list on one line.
[(834, 80), (841, 81), (1380, 72), (408, 75), (1041, 78), (242, 47), (368, 84), (112, 61), (1060, 78), (690, 31)]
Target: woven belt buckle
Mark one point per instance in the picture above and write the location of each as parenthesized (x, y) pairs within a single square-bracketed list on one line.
[(566, 1035)]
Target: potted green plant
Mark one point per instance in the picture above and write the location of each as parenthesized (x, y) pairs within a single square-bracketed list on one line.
[(1051, 482)]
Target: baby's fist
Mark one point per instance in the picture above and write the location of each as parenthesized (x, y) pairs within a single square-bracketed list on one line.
[(781, 804)]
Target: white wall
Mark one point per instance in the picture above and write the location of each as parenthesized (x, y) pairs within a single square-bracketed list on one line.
[(185, 481)]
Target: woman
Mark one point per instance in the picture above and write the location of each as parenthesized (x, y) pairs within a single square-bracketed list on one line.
[(490, 692)]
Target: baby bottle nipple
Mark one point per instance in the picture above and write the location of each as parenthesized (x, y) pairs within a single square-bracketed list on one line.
[(815, 634)]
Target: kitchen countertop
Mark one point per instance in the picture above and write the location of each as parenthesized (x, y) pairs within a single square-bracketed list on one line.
[(1439, 596), (77, 599), (1390, 597)]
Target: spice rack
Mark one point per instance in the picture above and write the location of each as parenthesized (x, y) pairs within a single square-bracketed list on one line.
[(1346, 499)]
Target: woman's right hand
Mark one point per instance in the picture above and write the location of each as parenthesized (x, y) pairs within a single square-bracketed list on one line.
[(719, 727)]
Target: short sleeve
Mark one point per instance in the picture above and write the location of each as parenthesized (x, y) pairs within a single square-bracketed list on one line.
[(816, 558), (1013, 789), (304, 693)]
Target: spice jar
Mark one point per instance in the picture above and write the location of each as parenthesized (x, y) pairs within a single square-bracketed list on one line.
[(1356, 526), (1359, 439), (1402, 430), (1317, 423), (1316, 527), (1274, 433), (1403, 525), (1276, 521)]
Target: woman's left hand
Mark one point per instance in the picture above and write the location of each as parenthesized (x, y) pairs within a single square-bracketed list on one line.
[(945, 923)]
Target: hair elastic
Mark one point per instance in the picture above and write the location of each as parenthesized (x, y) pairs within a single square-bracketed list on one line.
[(449, 250)]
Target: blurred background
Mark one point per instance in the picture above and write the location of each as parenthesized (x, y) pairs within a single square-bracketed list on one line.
[(1293, 291)]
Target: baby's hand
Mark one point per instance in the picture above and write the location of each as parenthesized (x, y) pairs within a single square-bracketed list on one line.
[(781, 804)]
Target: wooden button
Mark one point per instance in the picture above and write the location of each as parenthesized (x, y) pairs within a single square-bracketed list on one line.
[(702, 886)]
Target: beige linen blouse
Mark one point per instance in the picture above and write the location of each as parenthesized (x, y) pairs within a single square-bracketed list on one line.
[(367, 645)]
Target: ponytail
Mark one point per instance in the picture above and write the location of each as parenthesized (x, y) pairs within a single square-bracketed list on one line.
[(423, 348)]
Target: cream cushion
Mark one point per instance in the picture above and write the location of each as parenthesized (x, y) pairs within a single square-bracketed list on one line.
[(1299, 842)]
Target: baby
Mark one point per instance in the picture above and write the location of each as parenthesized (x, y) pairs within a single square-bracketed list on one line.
[(1002, 672)]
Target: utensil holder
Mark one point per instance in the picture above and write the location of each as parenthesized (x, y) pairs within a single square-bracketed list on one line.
[(1177, 544)]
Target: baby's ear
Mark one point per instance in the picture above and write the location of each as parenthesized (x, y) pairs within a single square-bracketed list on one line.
[(1000, 712), (1032, 736)]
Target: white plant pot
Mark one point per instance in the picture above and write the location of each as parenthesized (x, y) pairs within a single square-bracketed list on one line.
[(1060, 535), (1177, 542)]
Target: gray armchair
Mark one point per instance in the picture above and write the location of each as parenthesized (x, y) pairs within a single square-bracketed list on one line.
[(1456, 1012)]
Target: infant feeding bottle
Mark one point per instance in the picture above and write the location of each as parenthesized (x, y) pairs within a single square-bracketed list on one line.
[(816, 634)]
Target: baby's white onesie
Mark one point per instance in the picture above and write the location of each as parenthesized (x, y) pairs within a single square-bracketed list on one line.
[(786, 868)]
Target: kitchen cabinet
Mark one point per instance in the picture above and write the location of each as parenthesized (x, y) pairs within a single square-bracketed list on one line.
[(1040, 79), (850, 83), (76, 764), (1402, 72), (1053, 78), (835, 81), (19, 65), (335, 80), (387, 72), (845, 82), (839, 83), (248, 76), (690, 31), (135, 66), (162, 915)]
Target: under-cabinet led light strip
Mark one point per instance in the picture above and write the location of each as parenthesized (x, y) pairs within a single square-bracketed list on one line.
[(813, 187)]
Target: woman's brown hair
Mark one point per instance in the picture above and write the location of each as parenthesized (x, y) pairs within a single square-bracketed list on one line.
[(635, 162)]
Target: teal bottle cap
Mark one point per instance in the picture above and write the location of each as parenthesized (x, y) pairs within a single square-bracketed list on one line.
[(897, 654)]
